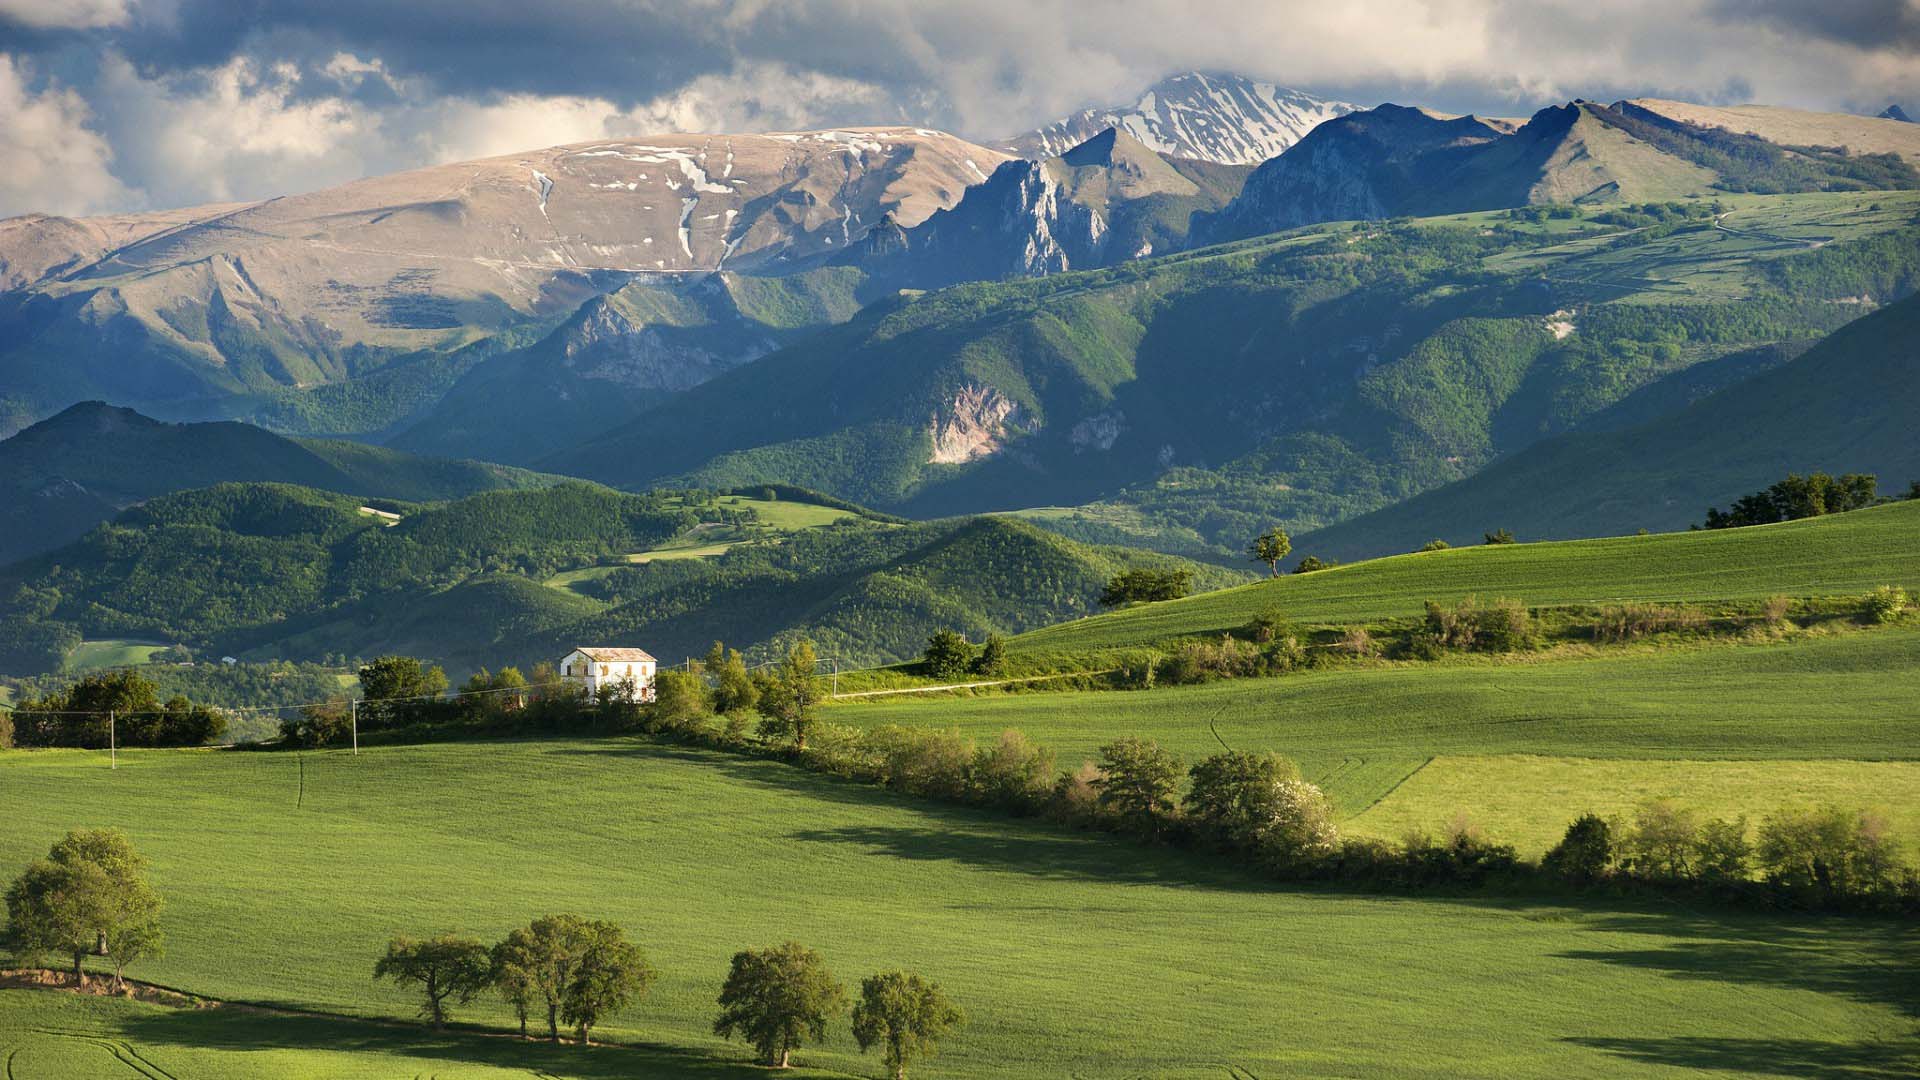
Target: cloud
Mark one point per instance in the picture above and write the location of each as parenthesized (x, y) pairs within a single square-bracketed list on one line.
[(203, 99), (65, 14), (55, 163)]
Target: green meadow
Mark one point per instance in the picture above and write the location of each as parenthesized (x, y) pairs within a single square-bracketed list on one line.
[(1074, 954), (1846, 554)]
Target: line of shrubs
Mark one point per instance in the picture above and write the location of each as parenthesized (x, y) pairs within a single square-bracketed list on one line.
[(583, 971), (1259, 811), (1270, 644)]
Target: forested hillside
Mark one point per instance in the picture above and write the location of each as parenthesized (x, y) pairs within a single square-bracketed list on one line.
[(1304, 378), (66, 474), (268, 571), (1847, 405)]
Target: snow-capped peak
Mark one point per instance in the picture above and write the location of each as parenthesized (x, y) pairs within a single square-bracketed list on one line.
[(1207, 117)]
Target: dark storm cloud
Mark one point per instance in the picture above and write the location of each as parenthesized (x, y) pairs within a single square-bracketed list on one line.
[(168, 101), (1864, 24)]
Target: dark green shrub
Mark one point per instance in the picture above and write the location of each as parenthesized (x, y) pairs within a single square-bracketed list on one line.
[(1584, 853), (992, 660), (948, 655)]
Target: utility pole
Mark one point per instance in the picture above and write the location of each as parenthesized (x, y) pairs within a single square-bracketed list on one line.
[(353, 715), (113, 742)]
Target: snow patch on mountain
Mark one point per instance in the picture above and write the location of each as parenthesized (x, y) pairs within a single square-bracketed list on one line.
[(1206, 117)]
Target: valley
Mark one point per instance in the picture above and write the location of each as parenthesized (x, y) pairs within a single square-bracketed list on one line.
[(1227, 582)]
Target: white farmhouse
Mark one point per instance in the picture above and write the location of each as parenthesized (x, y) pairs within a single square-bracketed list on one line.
[(590, 668)]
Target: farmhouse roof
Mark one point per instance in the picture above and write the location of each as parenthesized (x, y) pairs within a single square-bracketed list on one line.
[(613, 656)]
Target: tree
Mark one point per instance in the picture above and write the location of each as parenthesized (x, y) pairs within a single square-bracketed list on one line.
[(90, 892), (1233, 794), (1500, 536), (1314, 562), (445, 967), (1270, 547), (993, 657), (611, 974), (1435, 544), (679, 699), (1138, 781), (545, 954), (1146, 585), (396, 689), (788, 697), (1661, 841), (777, 999), (733, 688), (512, 969), (905, 1015), (948, 655), (1299, 823), (1584, 853)]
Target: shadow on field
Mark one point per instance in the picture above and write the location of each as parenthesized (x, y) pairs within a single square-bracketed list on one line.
[(1806, 1058), (1869, 961), (236, 1028)]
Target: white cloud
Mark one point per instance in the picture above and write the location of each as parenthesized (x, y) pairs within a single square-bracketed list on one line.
[(237, 131), (54, 162), (66, 14)]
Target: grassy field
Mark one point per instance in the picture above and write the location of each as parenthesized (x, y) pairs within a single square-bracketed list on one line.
[(1677, 720), (1074, 954), (1839, 555), (111, 652), (776, 517)]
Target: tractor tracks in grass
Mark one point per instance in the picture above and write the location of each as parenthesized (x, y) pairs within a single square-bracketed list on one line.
[(122, 1051)]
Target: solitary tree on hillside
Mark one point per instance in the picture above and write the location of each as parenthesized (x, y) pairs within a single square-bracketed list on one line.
[(612, 973), (90, 891), (905, 1015), (445, 967), (1138, 781), (1270, 547), (777, 999), (788, 697)]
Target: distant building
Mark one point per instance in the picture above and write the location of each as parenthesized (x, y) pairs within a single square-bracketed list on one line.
[(589, 669)]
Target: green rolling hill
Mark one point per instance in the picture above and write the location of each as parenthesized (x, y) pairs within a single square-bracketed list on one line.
[(267, 571), (1850, 404), (70, 472), (1843, 554)]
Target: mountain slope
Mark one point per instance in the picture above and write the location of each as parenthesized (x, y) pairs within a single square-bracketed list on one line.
[(1847, 405), (1393, 161), (1204, 117), (1105, 201), (1303, 378), (333, 286), (66, 474)]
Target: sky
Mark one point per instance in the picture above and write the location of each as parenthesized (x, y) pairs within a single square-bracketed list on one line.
[(115, 105)]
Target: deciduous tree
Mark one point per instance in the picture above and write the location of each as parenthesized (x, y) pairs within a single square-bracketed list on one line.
[(1138, 782), (788, 696), (445, 968), (611, 974), (777, 999), (1270, 547), (905, 1015)]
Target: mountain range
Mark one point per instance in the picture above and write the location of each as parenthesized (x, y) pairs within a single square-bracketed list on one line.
[(1127, 319), (1199, 116)]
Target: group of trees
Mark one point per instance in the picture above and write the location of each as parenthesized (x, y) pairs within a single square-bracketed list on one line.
[(779, 998), (120, 707), (584, 971), (1824, 855), (581, 971), (89, 896), (949, 655), (1812, 495), (1144, 584)]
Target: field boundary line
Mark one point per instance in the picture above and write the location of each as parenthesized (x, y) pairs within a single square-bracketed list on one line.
[(1397, 784), (966, 686)]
